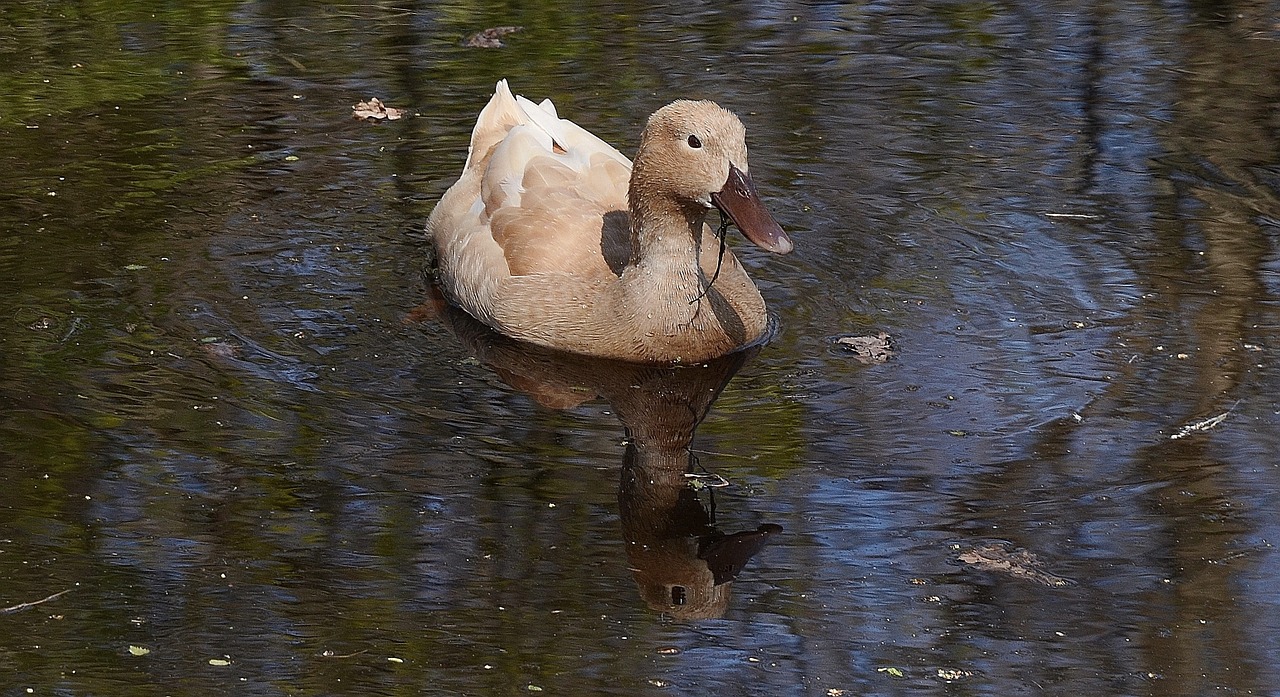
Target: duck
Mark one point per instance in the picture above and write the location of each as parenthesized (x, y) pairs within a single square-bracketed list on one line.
[(552, 237)]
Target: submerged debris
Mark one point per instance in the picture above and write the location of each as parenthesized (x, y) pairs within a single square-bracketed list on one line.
[(218, 348), (1015, 562), (869, 349), (706, 481), (374, 109), (954, 674), (1202, 424), (490, 38), (41, 324)]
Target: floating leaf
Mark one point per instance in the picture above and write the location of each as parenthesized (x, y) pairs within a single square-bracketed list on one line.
[(219, 662), (1015, 562), (489, 38), (221, 349), (869, 349), (374, 109), (139, 650)]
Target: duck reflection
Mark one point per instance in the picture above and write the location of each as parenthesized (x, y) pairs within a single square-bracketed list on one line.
[(683, 564)]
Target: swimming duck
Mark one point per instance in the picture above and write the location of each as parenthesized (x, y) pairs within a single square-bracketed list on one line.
[(553, 237)]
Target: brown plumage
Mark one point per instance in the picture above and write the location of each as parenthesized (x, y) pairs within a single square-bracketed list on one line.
[(552, 237)]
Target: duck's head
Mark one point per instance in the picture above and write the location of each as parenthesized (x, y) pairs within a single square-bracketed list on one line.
[(697, 153)]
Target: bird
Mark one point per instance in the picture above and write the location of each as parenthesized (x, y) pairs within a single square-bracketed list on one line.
[(552, 237)]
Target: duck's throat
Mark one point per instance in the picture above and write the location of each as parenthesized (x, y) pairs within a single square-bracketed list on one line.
[(665, 248)]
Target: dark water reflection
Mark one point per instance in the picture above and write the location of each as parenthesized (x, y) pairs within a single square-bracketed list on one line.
[(223, 427), (683, 564)]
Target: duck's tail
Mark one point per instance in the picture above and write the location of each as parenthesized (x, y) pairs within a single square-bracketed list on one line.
[(505, 111), (500, 115)]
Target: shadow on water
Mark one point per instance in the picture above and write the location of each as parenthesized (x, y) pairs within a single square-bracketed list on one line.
[(681, 561)]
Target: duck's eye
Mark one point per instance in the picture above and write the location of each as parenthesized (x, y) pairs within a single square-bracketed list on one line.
[(694, 142)]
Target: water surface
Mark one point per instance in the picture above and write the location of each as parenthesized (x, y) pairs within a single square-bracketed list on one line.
[(231, 430)]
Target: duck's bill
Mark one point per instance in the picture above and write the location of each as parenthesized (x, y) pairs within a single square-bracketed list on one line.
[(738, 200)]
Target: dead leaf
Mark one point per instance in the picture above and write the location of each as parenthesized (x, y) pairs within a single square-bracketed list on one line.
[(221, 349), (1015, 562), (376, 110), (869, 349), (490, 38)]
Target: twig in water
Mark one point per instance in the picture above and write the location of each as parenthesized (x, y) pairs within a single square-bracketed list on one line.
[(718, 453), (1080, 216), (330, 654), (1203, 424), (706, 480), (23, 606)]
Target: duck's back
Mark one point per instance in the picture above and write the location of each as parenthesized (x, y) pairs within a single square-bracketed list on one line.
[(533, 198)]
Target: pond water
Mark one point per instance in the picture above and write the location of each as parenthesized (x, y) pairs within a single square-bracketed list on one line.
[(242, 442)]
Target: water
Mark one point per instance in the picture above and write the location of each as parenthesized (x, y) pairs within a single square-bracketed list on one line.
[(233, 427)]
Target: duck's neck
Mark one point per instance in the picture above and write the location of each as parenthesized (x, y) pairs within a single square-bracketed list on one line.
[(666, 236), (664, 287)]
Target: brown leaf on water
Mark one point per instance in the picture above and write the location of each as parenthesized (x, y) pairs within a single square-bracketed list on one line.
[(375, 110), (490, 38), (869, 349), (221, 349), (1015, 562)]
